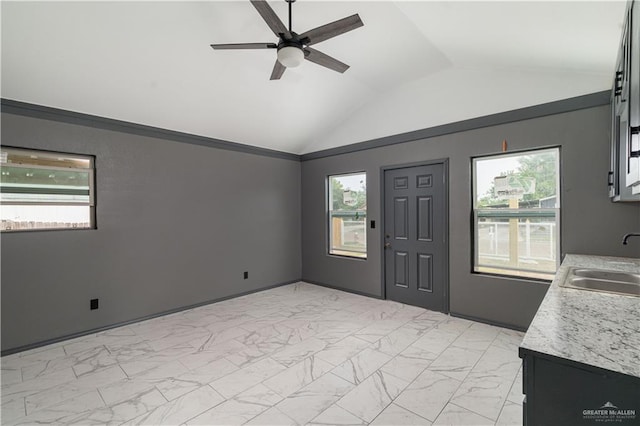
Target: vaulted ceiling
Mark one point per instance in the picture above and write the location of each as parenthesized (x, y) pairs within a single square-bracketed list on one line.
[(414, 64)]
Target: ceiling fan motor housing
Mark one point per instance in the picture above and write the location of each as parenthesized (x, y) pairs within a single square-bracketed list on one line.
[(294, 41)]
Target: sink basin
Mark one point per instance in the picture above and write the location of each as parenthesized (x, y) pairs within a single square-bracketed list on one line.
[(617, 282), (625, 277)]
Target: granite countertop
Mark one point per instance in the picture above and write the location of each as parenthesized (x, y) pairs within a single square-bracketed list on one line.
[(593, 328)]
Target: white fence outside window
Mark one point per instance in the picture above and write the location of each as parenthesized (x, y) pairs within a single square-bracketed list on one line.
[(536, 240)]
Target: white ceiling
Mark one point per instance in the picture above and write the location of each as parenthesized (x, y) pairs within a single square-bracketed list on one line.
[(414, 64)]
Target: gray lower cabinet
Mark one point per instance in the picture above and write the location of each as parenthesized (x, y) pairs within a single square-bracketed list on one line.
[(562, 392)]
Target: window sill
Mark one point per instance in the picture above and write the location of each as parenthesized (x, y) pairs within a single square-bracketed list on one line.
[(18, 231), (541, 277), (347, 255)]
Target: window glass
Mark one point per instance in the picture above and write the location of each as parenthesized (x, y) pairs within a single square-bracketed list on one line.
[(516, 201), (44, 190), (348, 215)]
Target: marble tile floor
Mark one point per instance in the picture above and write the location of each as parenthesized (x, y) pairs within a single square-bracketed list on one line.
[(294, 355)]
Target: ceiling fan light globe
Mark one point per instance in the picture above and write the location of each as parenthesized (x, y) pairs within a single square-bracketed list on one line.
[(290, 56)]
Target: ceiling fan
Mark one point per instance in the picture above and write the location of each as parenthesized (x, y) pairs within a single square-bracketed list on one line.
[(293, 48)]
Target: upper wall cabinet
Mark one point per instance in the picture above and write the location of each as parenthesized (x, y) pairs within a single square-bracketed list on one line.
[(633, 171), (624, 176)]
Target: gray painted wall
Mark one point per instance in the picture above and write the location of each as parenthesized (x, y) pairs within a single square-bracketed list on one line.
[(591, 224), (177, 225)]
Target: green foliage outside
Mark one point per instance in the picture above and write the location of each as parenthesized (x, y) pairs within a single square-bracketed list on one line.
[(538, 166), (337, 198)]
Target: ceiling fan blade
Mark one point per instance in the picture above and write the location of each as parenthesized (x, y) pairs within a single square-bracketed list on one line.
[(333, 29), (271, 18), (244, 46), (278, 70), (320, 58)]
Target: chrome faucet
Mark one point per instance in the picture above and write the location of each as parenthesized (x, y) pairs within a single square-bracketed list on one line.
[(626, 237)]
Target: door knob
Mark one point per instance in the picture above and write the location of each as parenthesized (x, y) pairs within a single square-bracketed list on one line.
[(387, 245)]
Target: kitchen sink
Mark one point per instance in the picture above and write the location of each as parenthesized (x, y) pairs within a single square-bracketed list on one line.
[(626, 277), (617, 282)]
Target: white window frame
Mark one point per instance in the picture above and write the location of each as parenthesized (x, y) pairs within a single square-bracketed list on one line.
[(51, 154), (332, 251), (517, 213)]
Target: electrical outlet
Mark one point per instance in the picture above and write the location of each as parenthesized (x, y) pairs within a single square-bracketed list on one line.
[(94, 304), (246, 274)]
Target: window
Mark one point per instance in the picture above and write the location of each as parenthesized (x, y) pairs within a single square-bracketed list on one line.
[(516, 208), (348, 215), (45, 190)]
